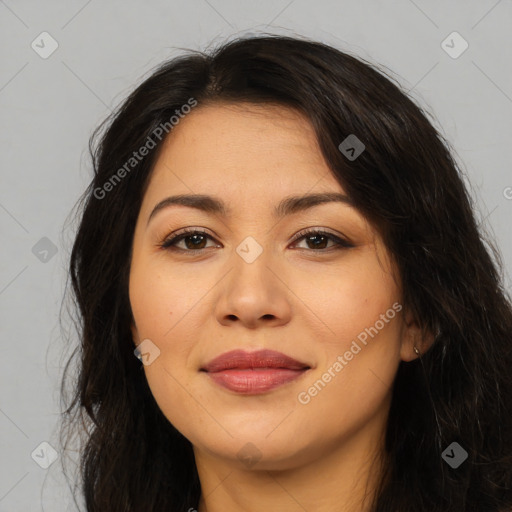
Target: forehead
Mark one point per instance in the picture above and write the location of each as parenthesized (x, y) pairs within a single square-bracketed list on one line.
[(233, 147)]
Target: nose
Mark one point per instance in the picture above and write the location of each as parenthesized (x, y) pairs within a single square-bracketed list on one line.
[(254, 294)]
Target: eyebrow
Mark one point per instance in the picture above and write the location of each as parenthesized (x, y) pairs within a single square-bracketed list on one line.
[(288, 206)]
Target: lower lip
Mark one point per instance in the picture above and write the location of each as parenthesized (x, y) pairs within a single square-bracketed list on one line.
[(254, 381)]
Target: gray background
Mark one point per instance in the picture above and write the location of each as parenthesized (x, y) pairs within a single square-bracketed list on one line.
[(50, 106)]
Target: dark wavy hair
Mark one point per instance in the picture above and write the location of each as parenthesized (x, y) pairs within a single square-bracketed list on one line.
[(410, 188)]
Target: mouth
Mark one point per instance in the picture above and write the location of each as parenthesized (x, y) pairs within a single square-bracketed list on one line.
[(253, 373)]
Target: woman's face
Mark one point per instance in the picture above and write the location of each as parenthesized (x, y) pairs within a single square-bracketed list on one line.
[(251, 284)]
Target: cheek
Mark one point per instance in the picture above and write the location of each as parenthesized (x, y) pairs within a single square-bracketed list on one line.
[(353, 382), (159, 301), (347, 298), (359, 353), (160, 304), (165, 307)]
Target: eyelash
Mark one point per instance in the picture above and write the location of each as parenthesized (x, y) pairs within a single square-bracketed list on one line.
[(168, 243)]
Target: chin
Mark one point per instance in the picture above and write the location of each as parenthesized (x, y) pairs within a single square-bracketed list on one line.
[(254, 450)]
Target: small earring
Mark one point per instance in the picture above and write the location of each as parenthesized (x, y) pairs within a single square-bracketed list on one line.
[(416, 350)]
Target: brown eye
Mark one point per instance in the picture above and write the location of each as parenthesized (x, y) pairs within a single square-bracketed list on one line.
[(194, 240), (317, 240)]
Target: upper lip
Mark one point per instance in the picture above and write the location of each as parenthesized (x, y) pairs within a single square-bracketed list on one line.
[(241, 359)]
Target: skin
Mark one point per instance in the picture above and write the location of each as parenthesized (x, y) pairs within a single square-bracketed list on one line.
[(306, 302)]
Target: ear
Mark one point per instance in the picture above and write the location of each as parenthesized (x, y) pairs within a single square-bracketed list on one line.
[(414, 336)]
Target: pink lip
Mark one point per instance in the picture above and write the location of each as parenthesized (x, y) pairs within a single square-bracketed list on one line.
[(254, 372)]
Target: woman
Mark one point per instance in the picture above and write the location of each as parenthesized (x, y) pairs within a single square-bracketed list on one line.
[(284, 299)]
